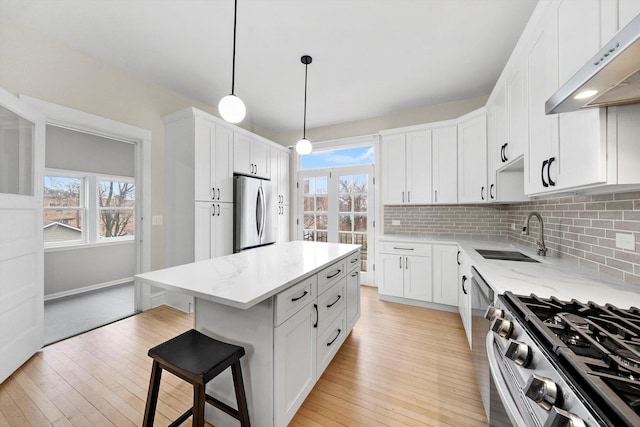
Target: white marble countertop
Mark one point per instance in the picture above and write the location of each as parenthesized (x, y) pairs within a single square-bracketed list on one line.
[(552, 276), (247, 278)]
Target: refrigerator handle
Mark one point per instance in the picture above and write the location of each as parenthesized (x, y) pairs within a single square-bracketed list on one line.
[(263, 217), (259, 212)]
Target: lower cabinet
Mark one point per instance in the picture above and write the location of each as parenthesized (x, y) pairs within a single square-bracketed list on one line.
[(445, 274), (213, 223), (464, 294), (312, 320), (406, 270)]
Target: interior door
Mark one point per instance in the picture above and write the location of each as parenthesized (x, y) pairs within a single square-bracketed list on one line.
[(21, 243)]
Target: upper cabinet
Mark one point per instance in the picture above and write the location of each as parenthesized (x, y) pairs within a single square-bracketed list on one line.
[(213, 160), (251, 156), (445, 164), (510, 111), (472, 157), (406, 159)]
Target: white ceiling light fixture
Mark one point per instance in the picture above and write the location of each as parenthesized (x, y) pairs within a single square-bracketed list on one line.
[(231, 108), (304, 145)]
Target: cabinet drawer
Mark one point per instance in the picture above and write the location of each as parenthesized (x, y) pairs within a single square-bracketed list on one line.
[(353, 261), (291, 300), (329, 342), (404, 248), (331, 303), (330, 275)]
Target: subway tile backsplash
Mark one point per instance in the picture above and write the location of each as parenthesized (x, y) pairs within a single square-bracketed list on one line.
[(578, 228)]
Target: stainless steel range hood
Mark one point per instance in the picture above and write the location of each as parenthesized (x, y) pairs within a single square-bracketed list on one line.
[(611, 77)]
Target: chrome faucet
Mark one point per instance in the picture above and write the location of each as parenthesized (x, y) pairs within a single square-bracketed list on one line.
[(542, 249)]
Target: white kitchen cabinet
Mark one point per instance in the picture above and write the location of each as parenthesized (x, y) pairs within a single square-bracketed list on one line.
[(353, 295), (280, 185), (251, 156), (464, 294), (472, 157), (295, 360), (213, 174), (406, 159), (214, 225), (445, 274), (406, 270), (492, 158), (445, 164)]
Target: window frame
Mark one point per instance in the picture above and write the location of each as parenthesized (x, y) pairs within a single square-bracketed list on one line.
[(89, 200)]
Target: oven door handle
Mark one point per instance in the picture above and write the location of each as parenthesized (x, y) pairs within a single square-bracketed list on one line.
[(501, 386)]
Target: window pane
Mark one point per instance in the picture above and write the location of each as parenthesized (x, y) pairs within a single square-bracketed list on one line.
[(16, 154), (308, 186), (360, 203), (116, 200), (344, 203), (321, 222), (345, 238), (360, 183), (62, 192), (321, 236), (345, 184), (321, 185), (345, 223), (62, 225), (309, 221), (308, 204), (322, 203), (360, 223), (342, 157)]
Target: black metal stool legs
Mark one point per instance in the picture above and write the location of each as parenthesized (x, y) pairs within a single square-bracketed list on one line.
[(241, 398)]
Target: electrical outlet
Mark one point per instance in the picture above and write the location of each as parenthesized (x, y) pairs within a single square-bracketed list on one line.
[(395, 222), (156, 220), (625, 241), (513, 226)]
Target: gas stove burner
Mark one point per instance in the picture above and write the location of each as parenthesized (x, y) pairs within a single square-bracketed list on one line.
[(571, 338), (628, 359)]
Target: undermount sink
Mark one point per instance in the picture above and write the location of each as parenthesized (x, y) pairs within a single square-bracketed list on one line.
[(505, 255)]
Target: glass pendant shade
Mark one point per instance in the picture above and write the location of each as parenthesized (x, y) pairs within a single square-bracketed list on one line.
[(303, 147), (232, 109)]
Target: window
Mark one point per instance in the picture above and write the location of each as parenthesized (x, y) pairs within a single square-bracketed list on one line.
[(82, 208), (339, 157)]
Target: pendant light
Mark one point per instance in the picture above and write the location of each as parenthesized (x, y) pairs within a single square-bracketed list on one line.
[(304, 145), (231, 107)]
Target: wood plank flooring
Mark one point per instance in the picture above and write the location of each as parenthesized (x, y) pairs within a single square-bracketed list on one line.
[(400, 366)]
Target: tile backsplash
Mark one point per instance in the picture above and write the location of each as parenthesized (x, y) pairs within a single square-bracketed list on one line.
[(578, 228)]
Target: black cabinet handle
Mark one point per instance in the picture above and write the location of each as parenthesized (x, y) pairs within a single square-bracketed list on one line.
[(300, 297), (218, 209), (406, 263), (335, 302), (335, 338), (334, 274), (403, 249), (213, 190), (506, 145), (315, 325), (353, 261), (502, 153), (551, 183), (482, 193), (491, 191), (458, 257), (464, 279), (218, 194), (544, 183), (355, 274)]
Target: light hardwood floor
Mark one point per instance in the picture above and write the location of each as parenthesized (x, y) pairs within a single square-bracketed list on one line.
[(400, 366)]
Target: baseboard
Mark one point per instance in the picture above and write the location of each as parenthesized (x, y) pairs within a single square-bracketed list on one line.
[(82, 290), (417, 303)]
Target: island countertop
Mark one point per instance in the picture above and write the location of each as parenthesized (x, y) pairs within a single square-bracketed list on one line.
[(247, 278)]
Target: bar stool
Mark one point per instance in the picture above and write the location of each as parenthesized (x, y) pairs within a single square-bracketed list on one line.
[(197, 359)]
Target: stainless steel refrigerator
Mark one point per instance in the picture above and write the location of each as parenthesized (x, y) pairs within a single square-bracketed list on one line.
[(253, 216)]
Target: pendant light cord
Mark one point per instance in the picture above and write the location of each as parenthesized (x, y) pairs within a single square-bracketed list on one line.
[(304, 125), (233, 66)]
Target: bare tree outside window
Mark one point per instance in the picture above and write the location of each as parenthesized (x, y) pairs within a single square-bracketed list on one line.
[(116, 206)]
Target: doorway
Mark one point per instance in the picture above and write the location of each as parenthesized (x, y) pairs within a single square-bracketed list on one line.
[(337, 204)]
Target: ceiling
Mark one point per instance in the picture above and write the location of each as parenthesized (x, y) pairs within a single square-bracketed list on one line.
[(370, 57)]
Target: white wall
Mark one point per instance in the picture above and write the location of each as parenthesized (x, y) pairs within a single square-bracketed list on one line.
[(41, 67)]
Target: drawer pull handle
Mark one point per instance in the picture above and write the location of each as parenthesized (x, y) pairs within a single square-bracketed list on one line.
[(334, 274), (403, 249), (354, 274), (335, 338), (335, 302), (300, 297), (353, 261), (315, 306)]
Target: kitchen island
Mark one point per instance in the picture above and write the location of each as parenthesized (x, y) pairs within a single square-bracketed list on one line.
[(290, 305)]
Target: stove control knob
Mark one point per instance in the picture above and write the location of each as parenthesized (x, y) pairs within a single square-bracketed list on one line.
[(561, 418), (542, 390), (519, 352), (493, 312), (502, 327)]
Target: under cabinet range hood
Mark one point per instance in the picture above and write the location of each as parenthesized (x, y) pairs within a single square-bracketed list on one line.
[(611, 77)]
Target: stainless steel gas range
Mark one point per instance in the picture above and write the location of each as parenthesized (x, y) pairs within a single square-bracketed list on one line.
[(565, 363)]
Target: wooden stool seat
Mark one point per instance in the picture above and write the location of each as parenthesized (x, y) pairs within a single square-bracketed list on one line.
[(197, 359)]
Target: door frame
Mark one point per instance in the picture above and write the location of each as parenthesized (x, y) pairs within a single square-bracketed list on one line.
[(375, 211), (69, 118)]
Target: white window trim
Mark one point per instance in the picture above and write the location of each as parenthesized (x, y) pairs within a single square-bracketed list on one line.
[(91, 209)]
